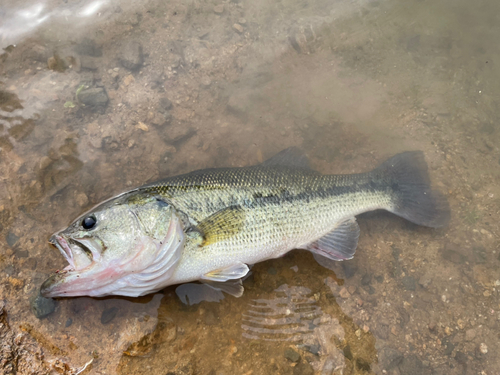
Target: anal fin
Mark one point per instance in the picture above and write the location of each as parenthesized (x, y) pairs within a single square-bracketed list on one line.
[(340, 243), (232, 287)]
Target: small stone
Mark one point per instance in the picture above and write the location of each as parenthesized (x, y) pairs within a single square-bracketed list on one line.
[(82, 199), (425, 280), (165, 104), (45, 162), (128, 79), (68, 323), (131, 55), (470, 334), (303, 368), (352, 289), (461, 358), (41, 306), (292, 355), (366, 279), (453, 256), (171, 333), (108, 315), (344, 293), (238, 28), (409, 283), (90, 63), (219, 9), (15, 282), (350, 268), (93, 97), (89, 47), (11, 239), (242, 21), (142, 126), (460, 324), (205, 81), (483, 348)]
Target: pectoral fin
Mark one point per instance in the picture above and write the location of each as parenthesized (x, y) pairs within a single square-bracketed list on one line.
[(340, 243), (221, 225), (235, 271)]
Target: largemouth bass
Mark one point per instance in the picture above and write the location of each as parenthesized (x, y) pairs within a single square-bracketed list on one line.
[(209, 225)]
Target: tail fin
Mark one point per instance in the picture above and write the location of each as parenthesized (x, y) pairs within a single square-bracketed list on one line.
[(414, 198)]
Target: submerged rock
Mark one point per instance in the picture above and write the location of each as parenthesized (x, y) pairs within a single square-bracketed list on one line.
[(131, 55), (108, 315), (42, 306), (292, 355), (94, 97)]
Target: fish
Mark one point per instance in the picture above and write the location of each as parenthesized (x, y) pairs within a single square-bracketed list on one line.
[(211, 225)]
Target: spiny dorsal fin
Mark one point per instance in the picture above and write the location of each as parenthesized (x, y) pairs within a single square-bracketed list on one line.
[(290, 157), (222, 225)]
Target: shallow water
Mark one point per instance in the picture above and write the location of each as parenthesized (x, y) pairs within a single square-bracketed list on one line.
[(230, 84)]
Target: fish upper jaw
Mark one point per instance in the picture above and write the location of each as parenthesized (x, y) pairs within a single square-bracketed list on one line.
[(62, 245)]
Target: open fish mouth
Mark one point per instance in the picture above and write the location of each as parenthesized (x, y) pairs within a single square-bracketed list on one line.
[(79, 253)]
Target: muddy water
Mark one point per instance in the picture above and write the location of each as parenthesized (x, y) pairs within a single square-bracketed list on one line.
[(97, 97)]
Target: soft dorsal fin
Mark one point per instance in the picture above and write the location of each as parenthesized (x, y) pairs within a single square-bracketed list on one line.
[(221, 225), (290, 157)]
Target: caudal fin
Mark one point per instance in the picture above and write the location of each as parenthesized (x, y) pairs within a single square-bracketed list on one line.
[(414, 198)]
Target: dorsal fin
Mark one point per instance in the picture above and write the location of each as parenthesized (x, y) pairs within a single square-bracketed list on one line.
[(290, 157)]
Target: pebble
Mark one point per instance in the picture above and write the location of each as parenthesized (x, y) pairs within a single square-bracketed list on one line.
[(409, 283), (89, 47), (142, 126), (292, 355), (453, 256), (483, 348), (303, 368), (94, 97), (165, 104), (41, 306), (108, 315), (128, 79), (470, 334), (344, 293), (219, 9), (461, 358), (131, 55), (366, 279), (45, 161), (11, 239), (460, 324), (350, 268), (351, 289), (238, 28), (205, 82), (425, 280), (82, 199)]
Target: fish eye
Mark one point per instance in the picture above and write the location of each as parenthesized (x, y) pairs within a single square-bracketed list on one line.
[(89, 222)]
